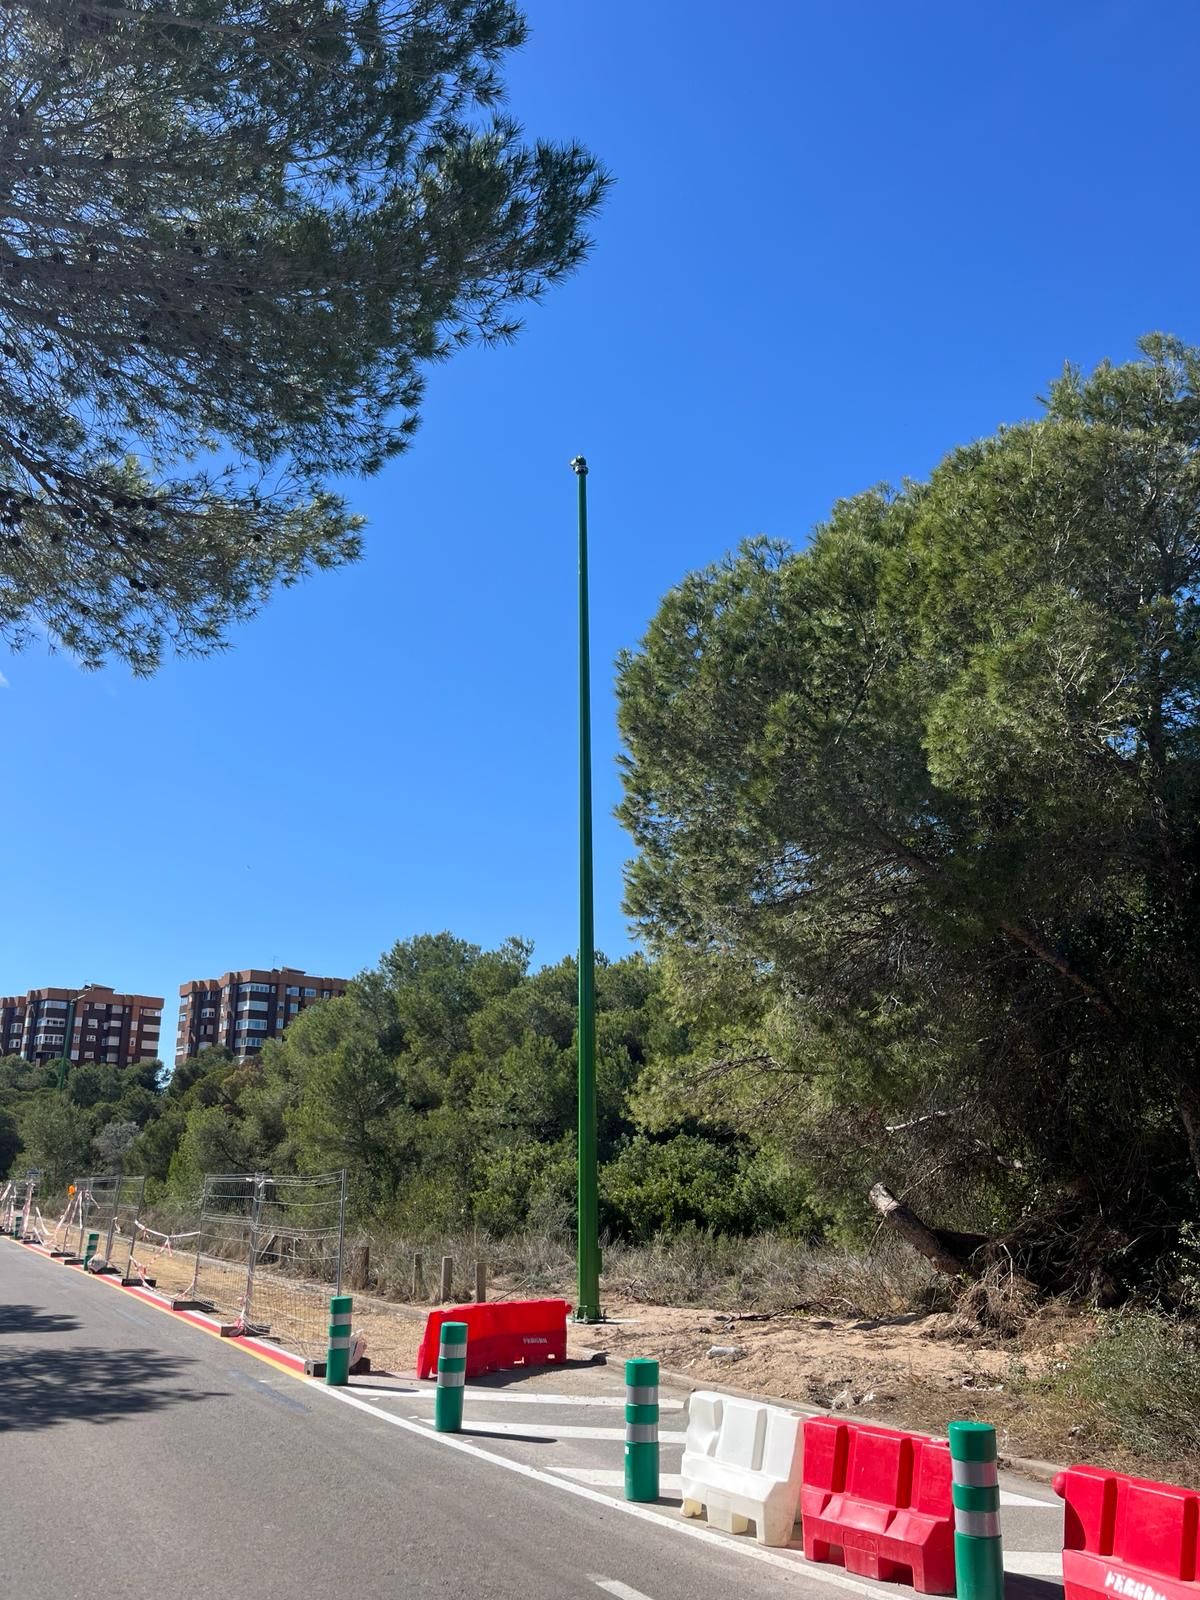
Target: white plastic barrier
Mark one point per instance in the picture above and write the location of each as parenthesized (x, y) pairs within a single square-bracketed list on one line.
[(742, 1463)]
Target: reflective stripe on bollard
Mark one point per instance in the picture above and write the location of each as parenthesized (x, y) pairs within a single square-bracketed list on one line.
[(451, 1377), (978, 1552), (641, 1430)]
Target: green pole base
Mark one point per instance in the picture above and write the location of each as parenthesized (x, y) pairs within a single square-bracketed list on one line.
[(451, 1376), (979, 1565), (641, 1472), (93, 1242), (447, 1409), (337, 1368)]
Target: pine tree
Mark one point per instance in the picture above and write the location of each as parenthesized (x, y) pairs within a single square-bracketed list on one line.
[(236, 233)]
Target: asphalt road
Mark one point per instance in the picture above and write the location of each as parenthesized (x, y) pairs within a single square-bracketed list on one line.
[(138, 1454)]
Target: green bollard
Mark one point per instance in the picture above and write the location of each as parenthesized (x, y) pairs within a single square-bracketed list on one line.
[(451, 1376), (641, 1430), (978, 1552), (337, 1357), (93, 1244)]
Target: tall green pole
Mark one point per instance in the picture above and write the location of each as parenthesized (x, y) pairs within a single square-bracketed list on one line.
[(64, 1065), (587, 1305)]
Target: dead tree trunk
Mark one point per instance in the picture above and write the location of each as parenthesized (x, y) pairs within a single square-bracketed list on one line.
[(950, 1253)]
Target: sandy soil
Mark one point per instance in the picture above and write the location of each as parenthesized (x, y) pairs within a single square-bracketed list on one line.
[(906, 1370)]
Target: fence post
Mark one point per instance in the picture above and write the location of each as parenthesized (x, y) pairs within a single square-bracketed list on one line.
[(978, 1552), (83, 1185), (341, 1231), (481, 1281), (337, 1358), (260, 1184), (418, 1284), (641, 1430), (447, 1278), (112, 1224), (451, 1376), (140, 1191)]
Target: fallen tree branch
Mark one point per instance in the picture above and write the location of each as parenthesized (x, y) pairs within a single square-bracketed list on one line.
[(950, 1253)]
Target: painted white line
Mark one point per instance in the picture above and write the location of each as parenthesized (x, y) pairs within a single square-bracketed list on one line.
[(796, 1565), (549, 1430), (487, 1396), (614, 1586), (400, 1394), (1009, 1497), (1034, 1563), (669, 1483)]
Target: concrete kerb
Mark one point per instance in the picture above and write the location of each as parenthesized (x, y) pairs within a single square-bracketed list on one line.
[(186, 1311), (1029, 1466)]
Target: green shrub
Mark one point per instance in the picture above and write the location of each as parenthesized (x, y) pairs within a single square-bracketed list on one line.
[(1134, 1390)]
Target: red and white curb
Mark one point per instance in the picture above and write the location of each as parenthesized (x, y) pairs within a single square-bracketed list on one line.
[(198, 1319)]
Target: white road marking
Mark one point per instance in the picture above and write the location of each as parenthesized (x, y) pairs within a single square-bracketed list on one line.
[(622, 1591), (1008, 1497), (612, 1402), (796, 1565), (1034, 1563), (668, 1482), (548, 1430)]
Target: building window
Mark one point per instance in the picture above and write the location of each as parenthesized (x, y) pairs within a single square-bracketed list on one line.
[(258, 988), (310, 994), (292, 989)]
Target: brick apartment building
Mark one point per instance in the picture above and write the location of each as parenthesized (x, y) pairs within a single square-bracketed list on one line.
[(114, 1028), (242, 1009)]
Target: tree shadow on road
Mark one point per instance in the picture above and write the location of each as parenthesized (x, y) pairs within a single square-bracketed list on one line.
[(32, 1319), (40, 1388)]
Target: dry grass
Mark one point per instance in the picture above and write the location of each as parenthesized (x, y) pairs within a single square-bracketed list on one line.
[(766, 1274)]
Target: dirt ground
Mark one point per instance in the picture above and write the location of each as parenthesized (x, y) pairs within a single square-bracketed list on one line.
[(908, 1370)]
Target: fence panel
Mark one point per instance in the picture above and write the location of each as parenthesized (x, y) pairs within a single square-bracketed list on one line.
[(269, 1254), (297, 1259), (59, 1234), (102, 1191), (223, 1244), (28, 1202), (123, 1225)]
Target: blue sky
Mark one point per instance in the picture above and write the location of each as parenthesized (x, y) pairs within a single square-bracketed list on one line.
[(843, 238)]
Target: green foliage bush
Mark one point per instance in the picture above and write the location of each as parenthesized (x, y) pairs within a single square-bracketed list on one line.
[(444, 1081), (1134, 1388)]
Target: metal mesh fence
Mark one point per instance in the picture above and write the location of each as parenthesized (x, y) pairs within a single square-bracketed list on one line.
[(269, 1254), (59, 1233), (101, 1193), (116, 1204), (27, 1201)]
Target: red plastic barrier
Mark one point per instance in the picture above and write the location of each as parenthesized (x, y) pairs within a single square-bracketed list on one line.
[(479, 1329), (500, 1333), (878, 1503), (1128, 1536)]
